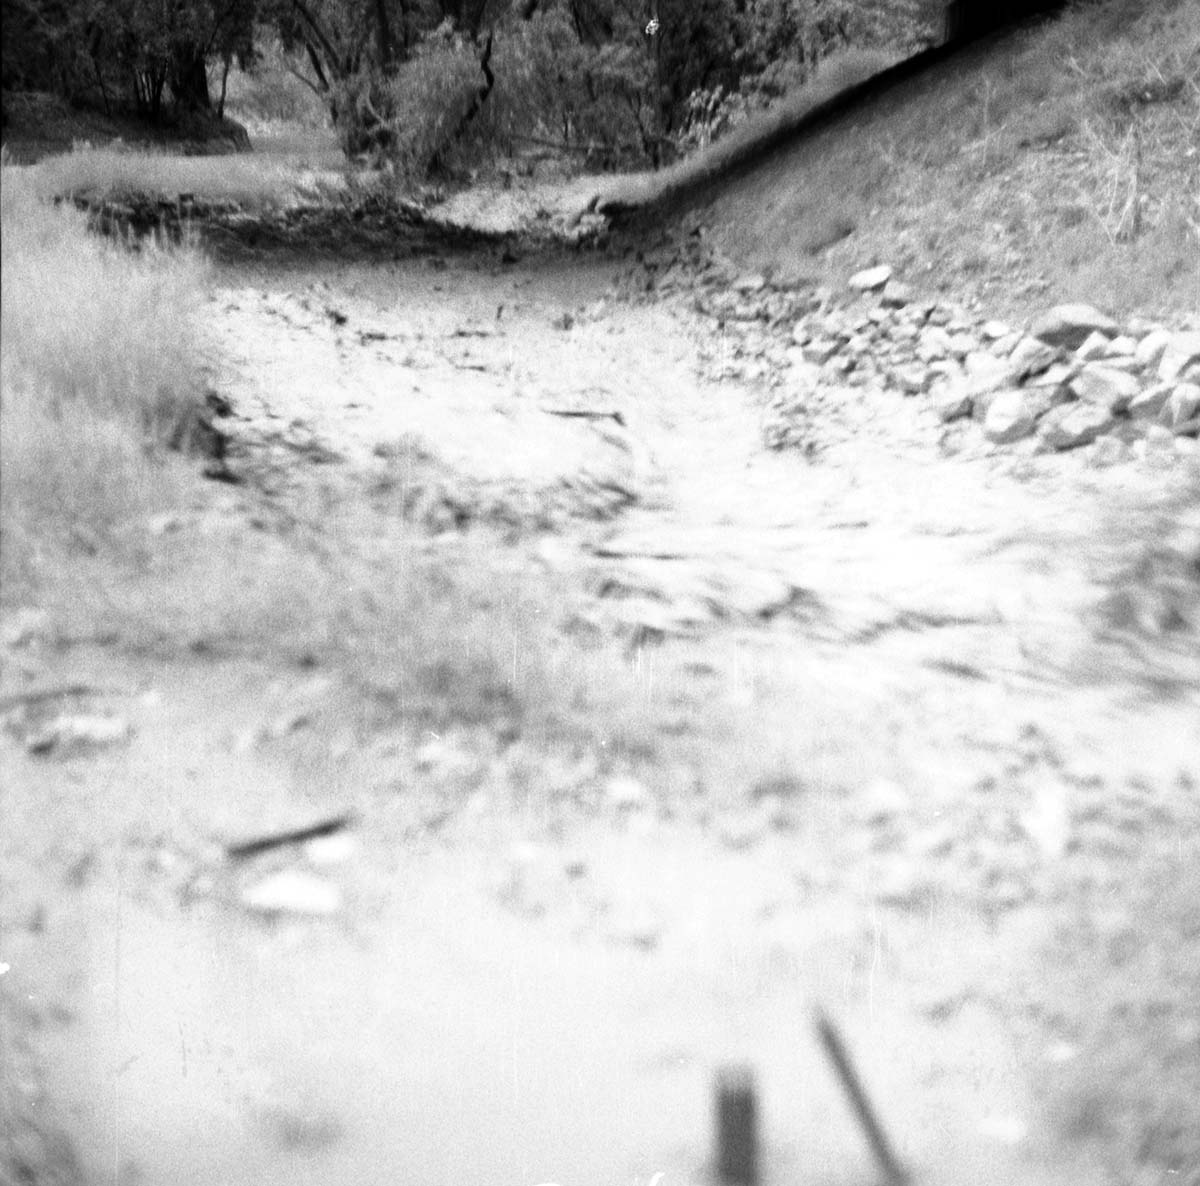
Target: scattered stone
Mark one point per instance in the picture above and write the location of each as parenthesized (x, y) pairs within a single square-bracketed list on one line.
[(912, 379), (933, 343), (1122, 346), (1069, 326), (24, 626), (1009, 417), (870, 279), (986, 373), (747, 285), (895, 294), (625, 793), (1109, 450), (1071, 425), (1182, 405), (74, 733), (1182, 351), (882, 800), (293, 891), (821, 351), (1031, 357), (952, 402), (1095, 346), (1106, 386), (1151, 348)]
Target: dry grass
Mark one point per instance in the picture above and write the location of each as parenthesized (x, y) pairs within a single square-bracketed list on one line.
[(99, 372), (250, 181)]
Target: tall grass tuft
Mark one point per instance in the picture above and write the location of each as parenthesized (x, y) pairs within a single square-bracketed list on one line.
[(99, 373)]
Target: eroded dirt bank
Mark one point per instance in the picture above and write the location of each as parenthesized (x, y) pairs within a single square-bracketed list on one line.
[(895, 767)]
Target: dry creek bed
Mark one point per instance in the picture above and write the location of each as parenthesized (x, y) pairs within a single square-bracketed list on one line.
[(502, 963)]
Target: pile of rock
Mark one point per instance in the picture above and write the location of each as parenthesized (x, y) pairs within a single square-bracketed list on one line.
[(1074, 376)]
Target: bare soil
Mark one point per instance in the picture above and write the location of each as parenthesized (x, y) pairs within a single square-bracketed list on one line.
[(918, 748)]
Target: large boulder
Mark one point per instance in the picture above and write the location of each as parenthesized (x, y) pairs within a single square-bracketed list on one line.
[(1069, 326)]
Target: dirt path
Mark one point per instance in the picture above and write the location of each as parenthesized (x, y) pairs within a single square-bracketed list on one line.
[(524, 965)]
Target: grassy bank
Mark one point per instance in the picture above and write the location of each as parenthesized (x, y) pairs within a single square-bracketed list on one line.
[(1058, 162)]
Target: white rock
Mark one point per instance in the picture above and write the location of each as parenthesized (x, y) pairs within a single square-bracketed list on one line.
[(1074, 424), (74, 732), (870, 278), (1183, 404), (292, 891), (625, 792), (1122, 346), (1031, 357), (1069, 325), (1094, 346), (1009, 418), (952, 402), (1110, 388), (1150, 349), (1182, 351)]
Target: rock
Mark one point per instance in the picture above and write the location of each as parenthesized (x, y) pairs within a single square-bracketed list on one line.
[(1122, 346), (821, 350), (1009, 417), (1109, 450), (1057, 374), (746, 285), (1031, 357), (912, 379), (1068, 326), (1071, 425), (952, 402), (1182, 405), (292, 891), (1149, 403), (994, 331), (870, 279), (946, 370), (625, 793), (1106, 386), (801, 333), (1150, 349), (75, 733), (1094, 346), (961, 344), (895, 294), (1181, 352), (987, 373), (933, 343)]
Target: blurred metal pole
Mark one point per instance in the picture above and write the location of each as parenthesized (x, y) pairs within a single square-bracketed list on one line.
[(894, 1173), (737, 1127)]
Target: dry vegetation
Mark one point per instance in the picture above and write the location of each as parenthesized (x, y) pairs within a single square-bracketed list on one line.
[(1056, 163)]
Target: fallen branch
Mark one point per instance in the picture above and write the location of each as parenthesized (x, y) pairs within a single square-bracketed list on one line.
[(261, 844)]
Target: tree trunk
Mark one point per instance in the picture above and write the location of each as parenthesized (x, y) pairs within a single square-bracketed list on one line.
[(224, 84), (189, 79), (383, 37)]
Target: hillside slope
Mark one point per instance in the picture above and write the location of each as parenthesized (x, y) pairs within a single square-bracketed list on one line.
[(1058, 161)]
